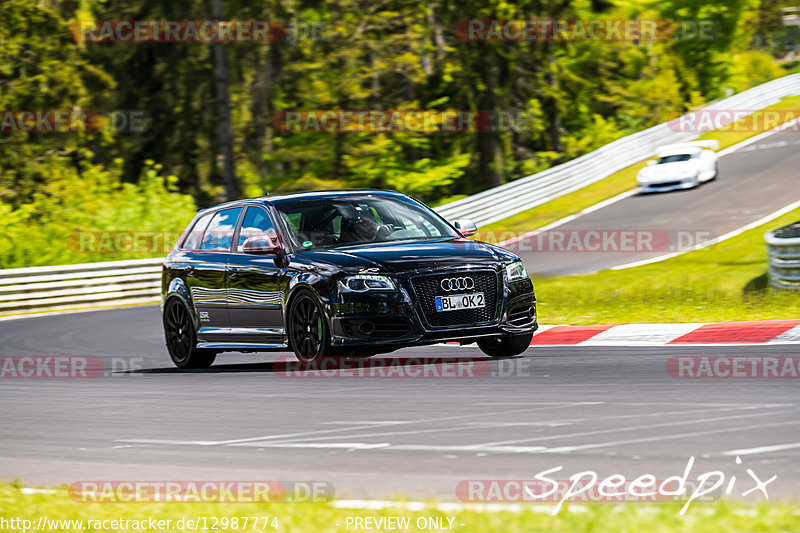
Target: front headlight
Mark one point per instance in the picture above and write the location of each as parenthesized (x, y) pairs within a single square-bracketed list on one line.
[(516, 271), (366, 282)]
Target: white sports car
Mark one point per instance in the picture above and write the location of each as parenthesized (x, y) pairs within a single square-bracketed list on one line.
[(680, 166)]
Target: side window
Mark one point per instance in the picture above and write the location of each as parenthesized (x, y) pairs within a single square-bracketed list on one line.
[(192, 241), (256, 223), (219, 234)]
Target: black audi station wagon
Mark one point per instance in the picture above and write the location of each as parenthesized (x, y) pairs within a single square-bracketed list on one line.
[(342, 273)]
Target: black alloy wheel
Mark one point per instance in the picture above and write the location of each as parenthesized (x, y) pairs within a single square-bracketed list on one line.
[(308, 330), (182, 339)]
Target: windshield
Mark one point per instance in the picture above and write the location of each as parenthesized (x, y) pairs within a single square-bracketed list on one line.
[(674, 158), (350, 220)]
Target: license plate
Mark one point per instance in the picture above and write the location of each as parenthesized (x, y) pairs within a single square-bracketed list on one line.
[(460, 301)]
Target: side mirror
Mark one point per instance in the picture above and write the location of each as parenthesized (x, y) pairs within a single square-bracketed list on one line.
[(651, 162), (261, 245), (466, 227)]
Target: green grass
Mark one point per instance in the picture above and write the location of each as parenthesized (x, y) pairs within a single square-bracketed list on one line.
[(723, 282), (319, 518), (606, 188)]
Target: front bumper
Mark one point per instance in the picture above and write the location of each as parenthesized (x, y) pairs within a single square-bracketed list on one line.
[(390, 320), (668, 185)]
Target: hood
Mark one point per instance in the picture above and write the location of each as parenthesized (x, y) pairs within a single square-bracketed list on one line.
[(676, 170), (416, 255)]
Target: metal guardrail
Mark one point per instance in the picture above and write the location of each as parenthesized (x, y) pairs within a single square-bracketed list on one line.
[(525, 193), (88, 285), (56, 288), (783, 253)]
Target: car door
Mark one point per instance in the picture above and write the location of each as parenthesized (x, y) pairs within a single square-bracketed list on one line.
[(206, 276), (256, 285)]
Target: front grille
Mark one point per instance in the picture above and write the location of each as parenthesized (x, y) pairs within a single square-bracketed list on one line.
[(428, 287), (667, 184)]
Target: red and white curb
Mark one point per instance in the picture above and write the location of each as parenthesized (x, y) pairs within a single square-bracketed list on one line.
[(721, 333)]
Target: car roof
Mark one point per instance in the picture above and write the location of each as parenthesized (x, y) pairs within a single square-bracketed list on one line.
[(678, 149), (285, 197)]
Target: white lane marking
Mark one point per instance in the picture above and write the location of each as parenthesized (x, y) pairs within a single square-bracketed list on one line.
[(408, 447), (634, 428), (480, 448), (756, 138), (29, 490), (382, 434), (570, 218), (361, 422), (667, 413), (787, 337), (770, 146), (237, 441), (517, 424), (568, 449), (335, 445), (317, 432), (640, 334), (763, 449), (711, 242), (496, 447), (540, 403)]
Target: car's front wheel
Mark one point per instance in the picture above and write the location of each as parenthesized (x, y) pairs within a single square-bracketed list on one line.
[(505, 346), (309, 337), (181, 338)]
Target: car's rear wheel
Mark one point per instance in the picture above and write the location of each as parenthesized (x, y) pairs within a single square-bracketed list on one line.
[(505, 346), (309, 337), (181, 338)]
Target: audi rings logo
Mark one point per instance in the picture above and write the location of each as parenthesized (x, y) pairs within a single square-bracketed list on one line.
[(458, 284)]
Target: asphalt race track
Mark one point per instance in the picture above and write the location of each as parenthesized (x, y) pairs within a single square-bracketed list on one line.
[(753, 182), (613, 410)]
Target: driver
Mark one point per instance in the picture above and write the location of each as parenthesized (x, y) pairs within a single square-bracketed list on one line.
[(366, 226)]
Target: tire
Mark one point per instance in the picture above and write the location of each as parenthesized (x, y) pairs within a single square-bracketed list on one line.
[(307, 329), (505, 346), (181, 337)]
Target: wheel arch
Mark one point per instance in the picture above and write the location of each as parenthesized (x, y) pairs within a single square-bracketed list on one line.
[(177, 289)]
